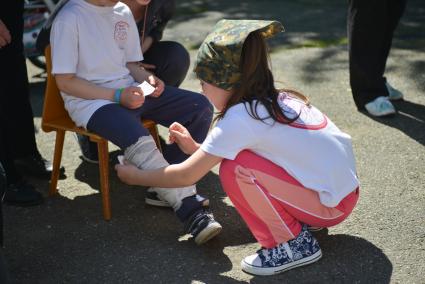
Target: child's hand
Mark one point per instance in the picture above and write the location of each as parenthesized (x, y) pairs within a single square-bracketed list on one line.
[(127, 173), (132, 97), (158, 84), (5, 37), (178, 134)]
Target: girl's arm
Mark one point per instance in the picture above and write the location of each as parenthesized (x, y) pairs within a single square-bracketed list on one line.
[(131, 97), (178, 175)]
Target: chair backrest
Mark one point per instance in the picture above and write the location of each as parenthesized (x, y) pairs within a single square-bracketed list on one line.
[(53, 109)]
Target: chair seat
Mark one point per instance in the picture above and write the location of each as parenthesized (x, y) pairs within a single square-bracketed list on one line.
[(66, 124)]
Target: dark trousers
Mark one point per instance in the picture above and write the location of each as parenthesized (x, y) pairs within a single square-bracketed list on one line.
[(122, 126), (370, 26), (16, 117), (171, 60)]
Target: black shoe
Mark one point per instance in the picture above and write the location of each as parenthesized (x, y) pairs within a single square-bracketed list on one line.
[(88, 149), (36, 166), (22, 194), (202, 226)]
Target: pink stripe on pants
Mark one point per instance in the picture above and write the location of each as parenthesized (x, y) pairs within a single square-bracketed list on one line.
[(273, 203)]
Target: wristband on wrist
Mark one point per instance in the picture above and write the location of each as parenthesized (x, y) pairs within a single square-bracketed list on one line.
[(117, 95)]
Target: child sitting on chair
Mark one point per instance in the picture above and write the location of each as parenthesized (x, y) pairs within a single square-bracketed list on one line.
[(95, 55)]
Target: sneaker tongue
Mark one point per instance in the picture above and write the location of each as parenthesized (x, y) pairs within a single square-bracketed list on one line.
[(288, 250)]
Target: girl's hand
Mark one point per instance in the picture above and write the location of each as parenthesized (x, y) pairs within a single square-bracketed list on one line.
[(132, 97), (5, 37), (158, 84), (127, 173), (178, 134)]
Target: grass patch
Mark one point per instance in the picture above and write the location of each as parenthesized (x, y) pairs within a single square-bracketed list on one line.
[(322, 43), (194, 46), (189, 9)]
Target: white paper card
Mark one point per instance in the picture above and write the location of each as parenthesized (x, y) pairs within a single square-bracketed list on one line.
[(146, 88), (120, 159)]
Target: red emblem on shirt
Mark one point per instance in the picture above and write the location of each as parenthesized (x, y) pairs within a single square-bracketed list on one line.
[(309, 117), (121, 33)]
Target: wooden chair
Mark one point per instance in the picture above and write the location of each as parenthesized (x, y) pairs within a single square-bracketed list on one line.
[(56, 118)]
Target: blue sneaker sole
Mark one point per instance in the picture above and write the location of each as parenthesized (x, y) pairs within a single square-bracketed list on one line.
[(209, 232)]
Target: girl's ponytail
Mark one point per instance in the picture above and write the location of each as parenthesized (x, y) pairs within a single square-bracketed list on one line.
[(257, 82)]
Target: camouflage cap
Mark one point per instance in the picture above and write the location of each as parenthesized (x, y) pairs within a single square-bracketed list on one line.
[(219, 55)]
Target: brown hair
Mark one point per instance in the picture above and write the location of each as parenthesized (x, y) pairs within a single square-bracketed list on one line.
[(257, 83)]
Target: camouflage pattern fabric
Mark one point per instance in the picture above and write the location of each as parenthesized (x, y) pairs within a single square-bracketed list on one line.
[(219, 55)]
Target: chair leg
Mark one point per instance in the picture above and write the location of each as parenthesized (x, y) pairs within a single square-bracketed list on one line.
[(104, 178), (60, 136)]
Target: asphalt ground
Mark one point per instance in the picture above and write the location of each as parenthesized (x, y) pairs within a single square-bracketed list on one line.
[(66, 240)]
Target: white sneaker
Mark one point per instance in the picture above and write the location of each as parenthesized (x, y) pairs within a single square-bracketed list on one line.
[(393, 94), (381, 106)]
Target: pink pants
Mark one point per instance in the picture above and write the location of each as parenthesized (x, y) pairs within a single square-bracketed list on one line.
[(273, 203)]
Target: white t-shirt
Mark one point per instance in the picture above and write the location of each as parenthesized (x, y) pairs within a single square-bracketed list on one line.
[(95, 43), (312, 149)]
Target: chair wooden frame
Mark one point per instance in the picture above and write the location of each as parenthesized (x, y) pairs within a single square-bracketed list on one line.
[(56, 118)]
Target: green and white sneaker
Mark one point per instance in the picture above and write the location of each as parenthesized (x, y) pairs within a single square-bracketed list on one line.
[(393, 94), (381, 106)]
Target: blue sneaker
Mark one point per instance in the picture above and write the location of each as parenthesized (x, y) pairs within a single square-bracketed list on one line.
[(381, 106), (393, 94), (302, 250), (202, 227)]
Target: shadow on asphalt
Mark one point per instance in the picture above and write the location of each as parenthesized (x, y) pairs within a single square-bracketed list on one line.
[(346, 259), (410, 120), (144, 243), (140, 242)]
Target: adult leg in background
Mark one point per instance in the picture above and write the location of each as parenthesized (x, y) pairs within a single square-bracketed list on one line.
[(171, 60), (17, 137), (370, 26)]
